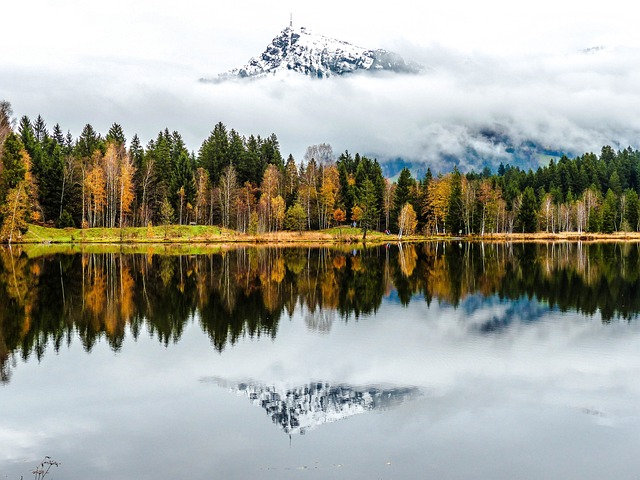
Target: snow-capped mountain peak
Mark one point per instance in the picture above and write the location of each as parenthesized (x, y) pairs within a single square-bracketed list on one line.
[(299, 50)]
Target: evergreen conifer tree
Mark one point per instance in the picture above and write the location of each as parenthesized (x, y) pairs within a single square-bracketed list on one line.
[(609, 212), (116, 135), (527, 215), (454, 220)]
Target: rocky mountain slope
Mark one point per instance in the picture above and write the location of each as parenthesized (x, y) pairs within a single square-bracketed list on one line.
[(299, 50)]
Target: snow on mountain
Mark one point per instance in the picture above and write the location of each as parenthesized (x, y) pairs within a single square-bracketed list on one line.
[(317, 56), (298, 410)]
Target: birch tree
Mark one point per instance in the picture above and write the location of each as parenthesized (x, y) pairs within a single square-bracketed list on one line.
[(228, 190)]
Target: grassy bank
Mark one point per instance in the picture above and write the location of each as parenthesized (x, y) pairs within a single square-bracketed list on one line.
[(192, 234), (205, 235)]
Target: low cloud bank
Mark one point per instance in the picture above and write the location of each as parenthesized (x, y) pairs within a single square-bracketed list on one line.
[(473, 110)]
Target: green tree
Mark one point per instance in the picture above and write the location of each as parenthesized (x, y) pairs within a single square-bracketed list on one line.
[(88, 142), (615, 184), (166, 215), (116, 135), (6, 121), (291, 181), (213, 152), (270, 152), (183, 187), (296, 218), (633, 210), (368, 202), (347, 193), (527, 215), (13, 165), (27, 135), (609, 212), (252, 164), (402, 195), (236, 156), (58, 135), (49, 178), (40, 130)]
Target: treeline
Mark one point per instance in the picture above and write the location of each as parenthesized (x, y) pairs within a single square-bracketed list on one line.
[(244, 183), (589, 193)]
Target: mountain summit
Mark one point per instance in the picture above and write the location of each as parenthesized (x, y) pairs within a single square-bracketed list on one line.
[(299, 50)]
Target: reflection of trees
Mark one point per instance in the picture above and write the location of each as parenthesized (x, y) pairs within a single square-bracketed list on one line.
[(602, 277), (361, 283), (244, 292)]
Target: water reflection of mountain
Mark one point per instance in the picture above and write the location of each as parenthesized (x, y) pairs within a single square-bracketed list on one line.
[(497, 315), (298, 410), (49, 300)]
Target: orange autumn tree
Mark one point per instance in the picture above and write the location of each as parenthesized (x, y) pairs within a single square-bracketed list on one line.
[(95, 191), (127, 187), (17, 189), (327, 195), (437, 203), (339, 216)]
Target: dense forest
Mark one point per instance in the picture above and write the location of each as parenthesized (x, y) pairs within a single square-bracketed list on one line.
[(244, 183)]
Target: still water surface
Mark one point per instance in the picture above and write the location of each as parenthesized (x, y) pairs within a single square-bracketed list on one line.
[(422, 361)]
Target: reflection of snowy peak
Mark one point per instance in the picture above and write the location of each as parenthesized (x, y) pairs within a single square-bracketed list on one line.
[(298, 50), (300, 409)]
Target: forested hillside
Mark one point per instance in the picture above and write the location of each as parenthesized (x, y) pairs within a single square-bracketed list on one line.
[(49, 177)]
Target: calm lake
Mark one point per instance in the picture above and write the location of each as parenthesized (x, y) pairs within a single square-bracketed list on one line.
[(434, 360)]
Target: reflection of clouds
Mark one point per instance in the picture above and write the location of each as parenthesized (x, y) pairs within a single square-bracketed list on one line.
[(560, 359), (16, 443), (28, 441), (300, 409)]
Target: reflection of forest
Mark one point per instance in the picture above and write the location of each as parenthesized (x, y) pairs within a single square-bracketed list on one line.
[(48, 300)]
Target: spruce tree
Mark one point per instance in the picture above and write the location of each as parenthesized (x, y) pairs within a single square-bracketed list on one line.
[(609, 212), (116, 135), (40, 130), (369, 204), (212, 155), (13, 165), (88, 142), (27, 136), (291, 181), (527, 215), (136, 152), (57, 135), (633, 210), (402, 195), (6, 121), (183, 186), (49, 176), (347, 193), (246, 166), (270, 152)]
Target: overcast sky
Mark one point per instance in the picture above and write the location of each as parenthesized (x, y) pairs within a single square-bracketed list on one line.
[(517, 69)]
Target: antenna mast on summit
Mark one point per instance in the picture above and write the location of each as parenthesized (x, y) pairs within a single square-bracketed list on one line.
[(291, 20)]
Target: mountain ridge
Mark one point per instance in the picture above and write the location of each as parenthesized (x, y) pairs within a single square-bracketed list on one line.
[(316, 56)]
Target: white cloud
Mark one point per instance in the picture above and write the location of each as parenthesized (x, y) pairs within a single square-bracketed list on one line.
[(516, 70)]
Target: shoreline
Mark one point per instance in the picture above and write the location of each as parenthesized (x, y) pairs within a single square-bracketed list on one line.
[(206, 235)]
